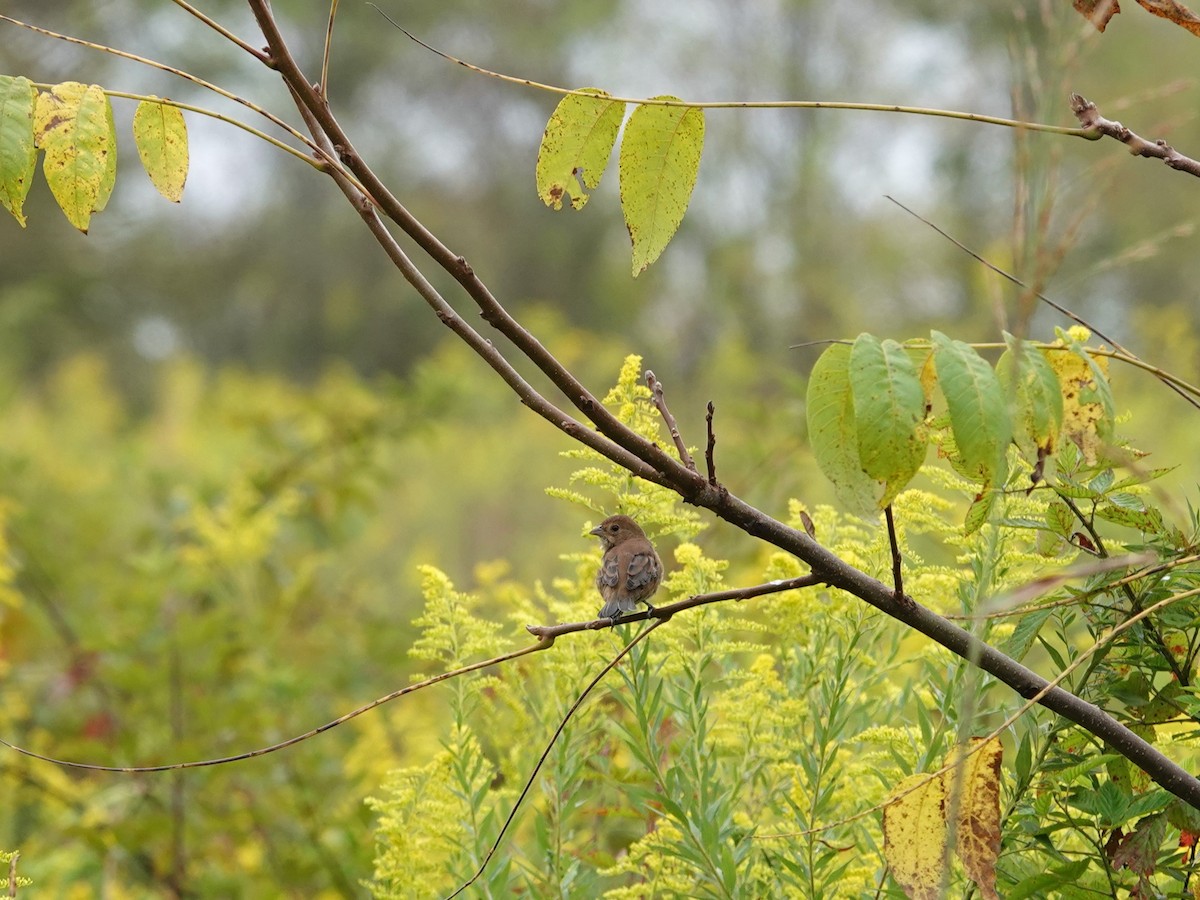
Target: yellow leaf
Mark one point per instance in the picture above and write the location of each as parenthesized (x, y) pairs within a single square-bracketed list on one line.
[(161, 138), (1087, 398), (914, 836), (659, 161), (73, 126), (576, 146)]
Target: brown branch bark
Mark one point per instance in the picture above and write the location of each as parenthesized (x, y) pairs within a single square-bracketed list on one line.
[(647, 460), (1089, 117)]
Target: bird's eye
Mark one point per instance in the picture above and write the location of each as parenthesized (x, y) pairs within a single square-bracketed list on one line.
[(614, 528)]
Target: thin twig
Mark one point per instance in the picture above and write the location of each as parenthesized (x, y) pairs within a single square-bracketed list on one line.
[(545, 753), (709, 456), (897, 563), (220, 29), (1052, 304), (660, 401), (488, 350), (1089, 117), (333, 5), (187, 76), (542, 644), (639, 455), (12, 874)]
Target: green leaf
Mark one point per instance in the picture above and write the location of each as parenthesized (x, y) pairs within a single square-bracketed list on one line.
[(1060, 519), (832, 432), (162, 143), (1040, 885), (18, 154), (1034, 396), (1025, 633), (576, 145), (978, 414), (659, 161), (73, 125), (889, 408), (1147, 520), (980, 510), (1024, 760)]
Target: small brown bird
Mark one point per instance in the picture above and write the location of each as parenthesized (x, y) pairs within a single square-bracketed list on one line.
[(630, 571)]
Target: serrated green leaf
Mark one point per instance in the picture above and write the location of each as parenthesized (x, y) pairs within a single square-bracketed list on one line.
[(104, 139), (160, 134), (980, 510), (978, 414), (73, 126), (832, 433), (18, 154), (1184, 816), (1059, 518), (889, 406), (575, 147), (659, 162), (1147, 520)]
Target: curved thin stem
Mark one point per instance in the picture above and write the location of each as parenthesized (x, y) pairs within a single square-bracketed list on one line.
[(542, 644), (641, 635), (1089, 134)]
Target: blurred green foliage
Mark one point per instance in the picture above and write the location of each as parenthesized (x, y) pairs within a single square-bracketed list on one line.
[(249, 560)]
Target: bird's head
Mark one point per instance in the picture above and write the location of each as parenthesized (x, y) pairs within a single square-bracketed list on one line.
[(616, 529)]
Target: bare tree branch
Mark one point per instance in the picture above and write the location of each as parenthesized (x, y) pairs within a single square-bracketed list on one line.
[(1089, 117)]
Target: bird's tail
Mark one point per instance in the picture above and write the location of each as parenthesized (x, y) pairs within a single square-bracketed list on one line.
[(615, 607)]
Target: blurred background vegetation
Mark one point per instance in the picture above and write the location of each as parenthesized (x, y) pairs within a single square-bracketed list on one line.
[(232, 431)]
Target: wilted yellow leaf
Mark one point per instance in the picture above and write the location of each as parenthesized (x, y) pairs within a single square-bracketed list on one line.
[(977, 812)]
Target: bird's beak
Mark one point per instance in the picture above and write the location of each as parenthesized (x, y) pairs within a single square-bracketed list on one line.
[(597, 531)]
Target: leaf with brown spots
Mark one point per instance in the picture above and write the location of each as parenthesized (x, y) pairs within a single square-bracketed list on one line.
[(977, 812), (73, 126), (575, 147)]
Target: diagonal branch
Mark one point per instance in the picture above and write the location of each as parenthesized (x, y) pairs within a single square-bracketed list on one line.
[(309, 97)]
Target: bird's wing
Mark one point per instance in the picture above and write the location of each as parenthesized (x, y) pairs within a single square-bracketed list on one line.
[(644, 572), (609, 575)]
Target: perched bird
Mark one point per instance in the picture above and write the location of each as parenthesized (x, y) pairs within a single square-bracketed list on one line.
[(630, 571)]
